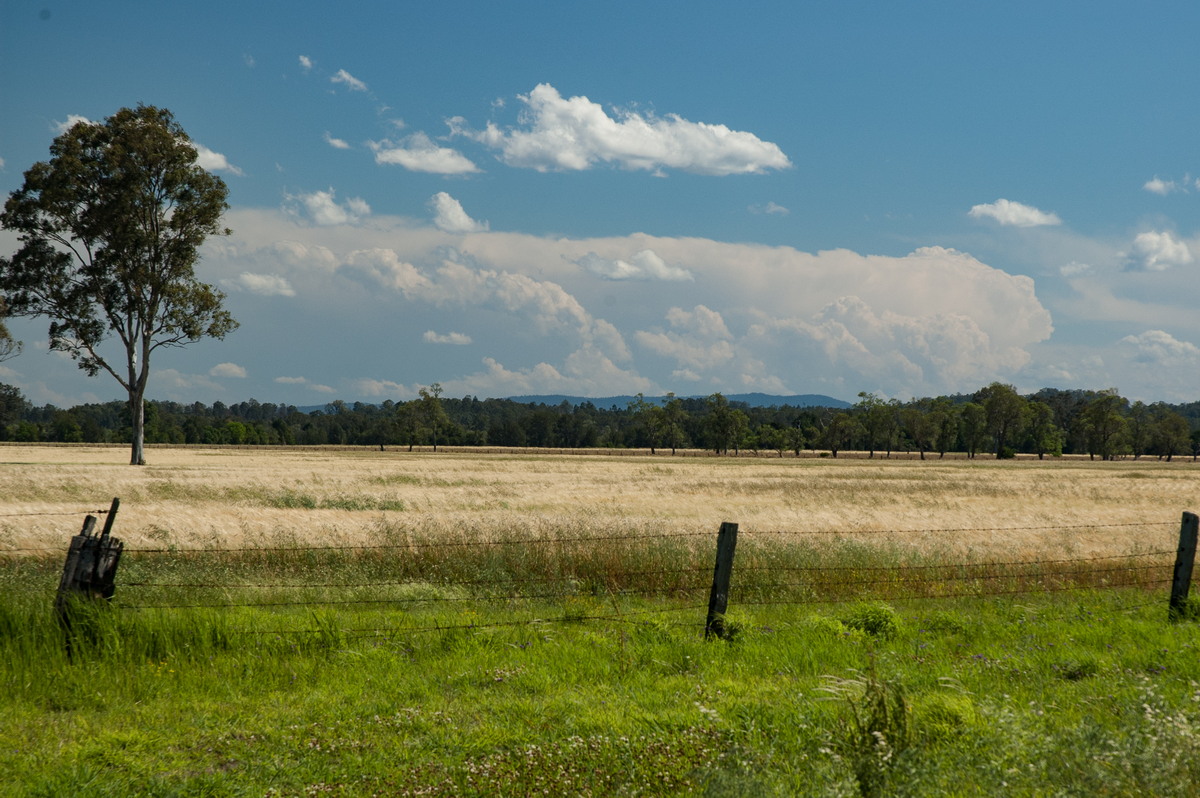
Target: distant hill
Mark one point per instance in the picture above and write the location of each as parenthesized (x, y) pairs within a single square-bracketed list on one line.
[(751, 399)]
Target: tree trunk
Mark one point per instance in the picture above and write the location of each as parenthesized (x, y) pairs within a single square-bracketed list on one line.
[(137, 411)]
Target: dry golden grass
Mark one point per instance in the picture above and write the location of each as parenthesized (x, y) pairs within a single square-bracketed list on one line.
[(215, 497)]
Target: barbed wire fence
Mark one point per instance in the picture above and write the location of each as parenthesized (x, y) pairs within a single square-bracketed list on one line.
[(772, 573)]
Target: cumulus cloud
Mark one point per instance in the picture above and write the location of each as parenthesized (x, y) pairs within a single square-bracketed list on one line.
[(1162, 348), (1161, 187), (348, 80), (1158, 251), (418, 153), (214, 161), (227, 370), (449, 216), (643, 265), (306, 63), (1014, 214), (455, 338), (261, 284), (336, 143), (323, 208), (568, 134), (72, 121)]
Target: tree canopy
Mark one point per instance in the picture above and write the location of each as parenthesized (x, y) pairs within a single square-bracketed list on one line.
[(110, 228)]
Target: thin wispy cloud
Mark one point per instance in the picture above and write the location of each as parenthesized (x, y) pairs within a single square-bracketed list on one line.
[(336, 143), (349, 81), (453, 338)]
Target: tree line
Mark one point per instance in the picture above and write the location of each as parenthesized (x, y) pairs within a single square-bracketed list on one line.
[(995, 420)]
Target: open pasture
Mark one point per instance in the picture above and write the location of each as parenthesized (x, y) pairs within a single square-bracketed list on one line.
[(900, 627), (223, 497)]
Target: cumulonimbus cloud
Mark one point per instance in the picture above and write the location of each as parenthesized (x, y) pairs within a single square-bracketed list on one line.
[(642, 265), (575, 133)]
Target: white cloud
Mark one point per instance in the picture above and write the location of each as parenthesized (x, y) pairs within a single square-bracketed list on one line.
[(324, 209), (1161, 187), (576, 133), (643, 265), (449, 216), (771, 208), (1014, 214), (585, 372), (214, 161), (72, 120), (303, 381), (455, 338), (698, 338), (227, 370), (373, 388), (1, 163), (261, 284), (418, 153), (306, 63), (336, 143), (1074, 269), (1161, 348), (834, 322), (351, 82), (1158, 251)]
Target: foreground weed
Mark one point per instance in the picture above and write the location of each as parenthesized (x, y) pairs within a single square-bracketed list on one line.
[(877, 730)]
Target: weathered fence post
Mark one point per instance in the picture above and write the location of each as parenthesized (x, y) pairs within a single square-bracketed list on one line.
[(91, 568), (1185, 558), (718, 598)]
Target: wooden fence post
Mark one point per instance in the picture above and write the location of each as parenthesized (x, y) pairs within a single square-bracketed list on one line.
[(91, 568), (718, 598), (1185, 558)]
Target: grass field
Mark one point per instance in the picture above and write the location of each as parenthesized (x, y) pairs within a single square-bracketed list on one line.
[(900, 627)]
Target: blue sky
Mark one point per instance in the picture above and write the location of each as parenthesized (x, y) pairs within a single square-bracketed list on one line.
[(606, 198)]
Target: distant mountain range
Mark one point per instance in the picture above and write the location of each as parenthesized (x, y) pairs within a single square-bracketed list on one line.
[(751, 399)]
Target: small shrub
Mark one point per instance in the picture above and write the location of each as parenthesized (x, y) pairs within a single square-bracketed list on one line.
[(875, 619), (1076, 670), (944, 716)]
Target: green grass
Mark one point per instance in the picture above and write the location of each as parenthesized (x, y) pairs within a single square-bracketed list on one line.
[(441, 680)]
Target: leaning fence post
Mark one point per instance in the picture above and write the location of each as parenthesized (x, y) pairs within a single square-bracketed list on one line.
[(1185, 558), (718, 598), (90, 569)]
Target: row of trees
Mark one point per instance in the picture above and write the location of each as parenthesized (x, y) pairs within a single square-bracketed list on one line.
[(994, 420)]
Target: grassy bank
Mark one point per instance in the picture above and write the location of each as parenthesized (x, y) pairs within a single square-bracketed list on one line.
[(238, 673)]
